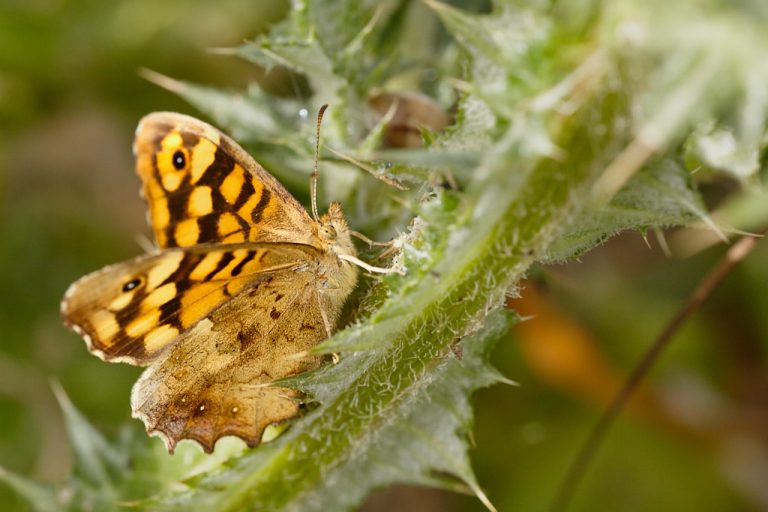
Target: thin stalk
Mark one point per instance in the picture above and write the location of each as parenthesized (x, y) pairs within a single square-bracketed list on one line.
[(703, 291)]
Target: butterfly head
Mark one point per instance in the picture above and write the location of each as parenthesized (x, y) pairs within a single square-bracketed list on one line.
[(334, 231)]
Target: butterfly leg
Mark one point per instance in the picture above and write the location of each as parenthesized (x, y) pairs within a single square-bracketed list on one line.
[(335, 355), (370, 268), (391, 248), (326, 323), (367, 240)]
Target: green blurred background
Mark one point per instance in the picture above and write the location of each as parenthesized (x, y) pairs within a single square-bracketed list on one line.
[(70, 97)]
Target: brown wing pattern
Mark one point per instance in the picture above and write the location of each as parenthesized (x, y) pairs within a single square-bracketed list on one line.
[(201, 187), (212, 382), (131, 311)]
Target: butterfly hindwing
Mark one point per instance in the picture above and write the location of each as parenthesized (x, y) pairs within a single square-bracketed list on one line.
[(215, 380), (133, 310), (202, 187)]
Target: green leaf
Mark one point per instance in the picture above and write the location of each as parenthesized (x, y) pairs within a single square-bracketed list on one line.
[(720, 149), (250, 116), (302, 56), (112, 475), (657, 197), (96, 462), (40, 497), (338, 24)]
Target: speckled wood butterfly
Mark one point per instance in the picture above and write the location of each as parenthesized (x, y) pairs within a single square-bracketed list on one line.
[(242, 281)]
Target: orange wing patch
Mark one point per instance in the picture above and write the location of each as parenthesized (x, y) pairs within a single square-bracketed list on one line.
[(201, 187)]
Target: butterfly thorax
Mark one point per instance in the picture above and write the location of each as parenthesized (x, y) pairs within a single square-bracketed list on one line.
[(333, 232)]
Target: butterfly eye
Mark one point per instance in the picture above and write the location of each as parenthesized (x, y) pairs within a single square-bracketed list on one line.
[(329, 232), (179, 160), (130, 285)]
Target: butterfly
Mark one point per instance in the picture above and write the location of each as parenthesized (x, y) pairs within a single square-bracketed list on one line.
[(243, 284)]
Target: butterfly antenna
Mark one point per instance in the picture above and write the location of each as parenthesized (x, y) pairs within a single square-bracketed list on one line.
[(315, 173)]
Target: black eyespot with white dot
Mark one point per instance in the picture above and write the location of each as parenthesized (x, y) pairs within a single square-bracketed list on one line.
[(179, 160), (132, 284)]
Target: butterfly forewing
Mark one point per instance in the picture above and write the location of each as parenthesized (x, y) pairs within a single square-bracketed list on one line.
[(201, 187), (133, 310)]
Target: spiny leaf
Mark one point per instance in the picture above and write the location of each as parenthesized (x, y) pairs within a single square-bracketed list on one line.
[(112, 475), (659, 196), (422, 434), (245, 116), (302, 56)]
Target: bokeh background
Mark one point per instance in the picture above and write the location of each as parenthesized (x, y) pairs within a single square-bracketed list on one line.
[(70, 96)]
